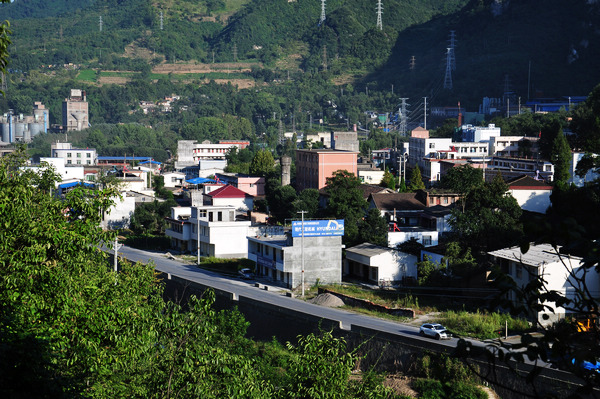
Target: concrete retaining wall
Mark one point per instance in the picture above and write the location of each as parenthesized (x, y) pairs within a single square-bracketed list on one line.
[(380, 350)]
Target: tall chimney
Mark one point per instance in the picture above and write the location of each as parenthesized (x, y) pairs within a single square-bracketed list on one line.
[(286, 163)]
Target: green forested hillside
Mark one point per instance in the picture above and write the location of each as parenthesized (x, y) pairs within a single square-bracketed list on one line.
[(527, 47)]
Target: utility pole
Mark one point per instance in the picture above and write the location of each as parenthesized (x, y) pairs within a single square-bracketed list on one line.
[(197, 237), (379, 12), (302, 253), (234, 52)]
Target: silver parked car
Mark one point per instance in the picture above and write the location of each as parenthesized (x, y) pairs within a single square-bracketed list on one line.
[(434, 330)]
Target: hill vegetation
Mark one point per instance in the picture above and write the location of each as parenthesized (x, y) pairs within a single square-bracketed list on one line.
[(527, 48)]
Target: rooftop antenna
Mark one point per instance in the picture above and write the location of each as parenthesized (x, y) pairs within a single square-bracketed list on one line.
[(322, 19), (452, 43), (448, 77), (379, 12)]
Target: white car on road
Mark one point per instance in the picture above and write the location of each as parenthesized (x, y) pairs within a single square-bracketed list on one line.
[(434, 330)]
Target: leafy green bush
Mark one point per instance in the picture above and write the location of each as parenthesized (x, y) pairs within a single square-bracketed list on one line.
[(429, 389), (462, 390)]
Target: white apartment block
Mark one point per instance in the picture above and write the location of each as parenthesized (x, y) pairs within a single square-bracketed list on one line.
[(190, 152), (213, 230), (74, 156)]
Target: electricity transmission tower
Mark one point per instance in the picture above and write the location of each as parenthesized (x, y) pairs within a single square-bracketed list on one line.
[(161, 20), (325, 58), (234, 52), (322, 19), (412, 63), (281, 133), (452, 43), (403, 115), (379, 12), (100, 23), (448, 77)]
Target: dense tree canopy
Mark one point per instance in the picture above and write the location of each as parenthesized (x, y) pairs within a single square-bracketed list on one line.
[(70, 326), (490, 219), (346, 202)]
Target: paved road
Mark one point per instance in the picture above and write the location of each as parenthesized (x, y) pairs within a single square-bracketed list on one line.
[(247, 289)]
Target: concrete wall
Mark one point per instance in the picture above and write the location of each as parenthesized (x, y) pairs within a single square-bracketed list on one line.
[(385, 352)]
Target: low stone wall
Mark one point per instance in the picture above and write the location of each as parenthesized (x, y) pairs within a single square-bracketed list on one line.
[(363, 303)]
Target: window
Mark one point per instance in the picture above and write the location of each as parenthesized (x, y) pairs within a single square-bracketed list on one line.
[(78, 155), (431, 145), (445, 200), (202, 213), (68, 155), (89, 162), (426, 240), (88, 155), (210, 216), (69, 162), (220, 216)]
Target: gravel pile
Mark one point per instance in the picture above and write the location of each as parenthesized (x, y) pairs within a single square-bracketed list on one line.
[(328, 300)]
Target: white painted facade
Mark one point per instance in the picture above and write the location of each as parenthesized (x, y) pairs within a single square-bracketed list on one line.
[(428, 238), (532, 200), (219, 234), (370, 176), (173, 179), (590, 176), (557, 270), (119, 215), (380, 265)]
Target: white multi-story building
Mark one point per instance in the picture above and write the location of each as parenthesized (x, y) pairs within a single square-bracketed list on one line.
[(190, 152), (281, 258), (74, 156), (559, 271), (213, 230), (478, 134)]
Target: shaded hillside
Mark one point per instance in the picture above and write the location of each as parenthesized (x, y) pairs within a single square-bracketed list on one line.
[(494, 49), (20, 9)]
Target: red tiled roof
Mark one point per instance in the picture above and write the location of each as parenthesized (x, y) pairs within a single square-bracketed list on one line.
[(228, 192)]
